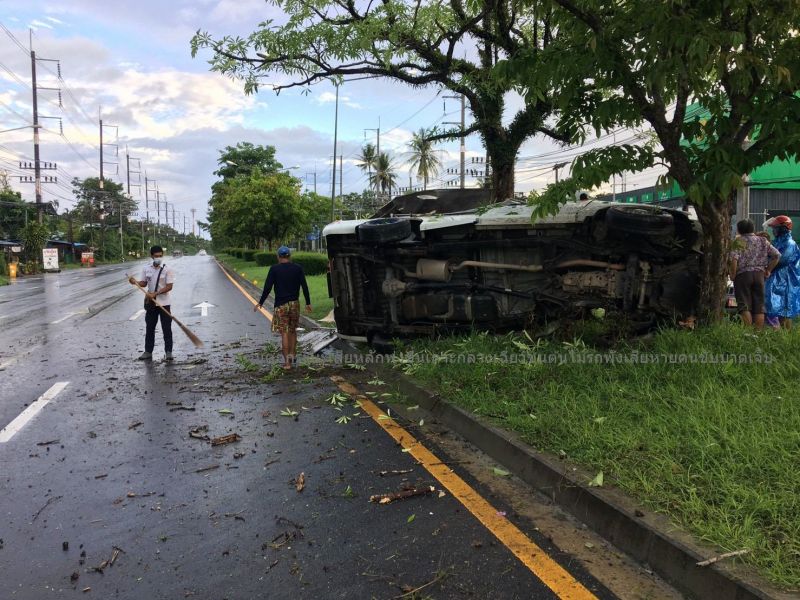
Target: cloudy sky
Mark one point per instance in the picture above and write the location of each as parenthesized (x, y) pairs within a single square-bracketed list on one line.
[(131, 61)]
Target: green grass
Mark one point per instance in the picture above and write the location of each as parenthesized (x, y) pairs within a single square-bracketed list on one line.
[(3, 280), (714, 446), (317, 284)]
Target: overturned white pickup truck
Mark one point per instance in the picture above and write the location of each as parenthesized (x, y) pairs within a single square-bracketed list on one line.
[(406, 274)]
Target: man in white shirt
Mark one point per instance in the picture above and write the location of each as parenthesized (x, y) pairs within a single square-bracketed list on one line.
[(158, 279)]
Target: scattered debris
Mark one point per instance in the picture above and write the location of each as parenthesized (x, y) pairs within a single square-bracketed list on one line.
[(75, 576), (287, 536), (238, 455), (199, 433), (500, 472), (713, 559), (182, 407), (65, 546), (300, 482), (237, 516), (46, 504), (48, 443), (208, 468), (135, 425), (226, 439), (402, 495), (103, 476), (86, 589), (225, 411), (395, 472), (271, 462)]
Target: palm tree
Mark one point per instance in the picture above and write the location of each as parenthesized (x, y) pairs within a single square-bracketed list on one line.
[(366, 162), (423, 157), (384, 177)]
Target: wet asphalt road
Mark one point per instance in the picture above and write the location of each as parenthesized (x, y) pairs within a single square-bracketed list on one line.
[(109, 464)]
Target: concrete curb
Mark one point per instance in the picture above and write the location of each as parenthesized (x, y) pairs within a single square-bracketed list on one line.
[(255, 291), (650, 539)]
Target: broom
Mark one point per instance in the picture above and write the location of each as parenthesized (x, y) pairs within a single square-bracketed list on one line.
[(198, 343)]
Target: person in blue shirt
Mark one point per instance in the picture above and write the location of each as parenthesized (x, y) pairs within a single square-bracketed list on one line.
[(782, 290), (287, 278)]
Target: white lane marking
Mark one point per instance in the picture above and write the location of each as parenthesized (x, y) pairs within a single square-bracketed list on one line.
[(204, 306), (64, 318), (10, 430), (137, 314)]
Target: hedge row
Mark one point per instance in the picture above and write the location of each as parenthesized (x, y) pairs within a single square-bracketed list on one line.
[(312, 262)]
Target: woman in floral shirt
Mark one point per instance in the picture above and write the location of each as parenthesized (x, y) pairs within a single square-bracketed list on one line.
[(752, 260)]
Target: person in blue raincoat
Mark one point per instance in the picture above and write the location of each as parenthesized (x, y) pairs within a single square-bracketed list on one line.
[(782, 290)]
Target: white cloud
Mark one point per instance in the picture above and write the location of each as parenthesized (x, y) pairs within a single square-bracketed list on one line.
[(35, 24), (330, 97)]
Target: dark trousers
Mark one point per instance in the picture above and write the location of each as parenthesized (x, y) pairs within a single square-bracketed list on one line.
[(150, 319)]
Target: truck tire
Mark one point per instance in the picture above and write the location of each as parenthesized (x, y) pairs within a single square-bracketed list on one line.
[(386, 230), (640, 220)]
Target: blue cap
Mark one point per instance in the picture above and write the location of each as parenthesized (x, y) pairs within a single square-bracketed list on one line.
[(284, 251)]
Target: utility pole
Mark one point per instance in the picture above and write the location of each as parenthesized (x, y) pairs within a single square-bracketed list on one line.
[(463, 142), (558, 166), (315, 179), (37, 172), (37, 167), (194, 210), (378, 149), (100, 118), (335, 144), (341, 173)]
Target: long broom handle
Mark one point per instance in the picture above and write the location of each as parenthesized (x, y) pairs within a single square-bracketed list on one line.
[(195, 340)]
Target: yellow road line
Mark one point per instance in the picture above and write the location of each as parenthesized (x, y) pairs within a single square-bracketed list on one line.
[(549, 572), (532, 556), (264, 311)]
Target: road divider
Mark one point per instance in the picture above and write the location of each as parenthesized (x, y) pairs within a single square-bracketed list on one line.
[(10, 430)]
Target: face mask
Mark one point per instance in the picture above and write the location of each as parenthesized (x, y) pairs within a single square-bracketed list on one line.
[(156, 262)]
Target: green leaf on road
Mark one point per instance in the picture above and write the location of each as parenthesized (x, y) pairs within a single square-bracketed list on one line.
[(411, 519), (500, 472), (597, 481)]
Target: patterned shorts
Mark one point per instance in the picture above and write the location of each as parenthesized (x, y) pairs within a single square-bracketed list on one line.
[(286, 317)]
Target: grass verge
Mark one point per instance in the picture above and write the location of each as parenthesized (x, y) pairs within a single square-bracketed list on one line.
[(3, 280), (317, 284), (714, 445)]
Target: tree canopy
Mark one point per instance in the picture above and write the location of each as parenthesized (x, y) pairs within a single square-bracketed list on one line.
[(452, 45), (713, 82), (422, 156)]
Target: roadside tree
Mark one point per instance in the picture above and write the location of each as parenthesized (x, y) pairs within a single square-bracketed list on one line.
[(714, 83), (452, 45), (422, 156)]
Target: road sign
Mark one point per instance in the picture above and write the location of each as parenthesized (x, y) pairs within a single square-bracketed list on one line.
[(50, 259)]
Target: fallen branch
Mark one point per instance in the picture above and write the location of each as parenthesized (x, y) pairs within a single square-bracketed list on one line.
[(48, 443), (713, 559), (208, 468), (225, 439), (46, 504), (395, 472), (135, 425), (409, 493), (413, 592)]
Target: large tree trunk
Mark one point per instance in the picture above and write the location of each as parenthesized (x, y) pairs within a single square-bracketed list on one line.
[(715, 217), (502, 155)]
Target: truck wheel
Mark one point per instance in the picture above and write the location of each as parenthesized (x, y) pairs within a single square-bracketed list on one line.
[(642, 220), (386, 230)]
